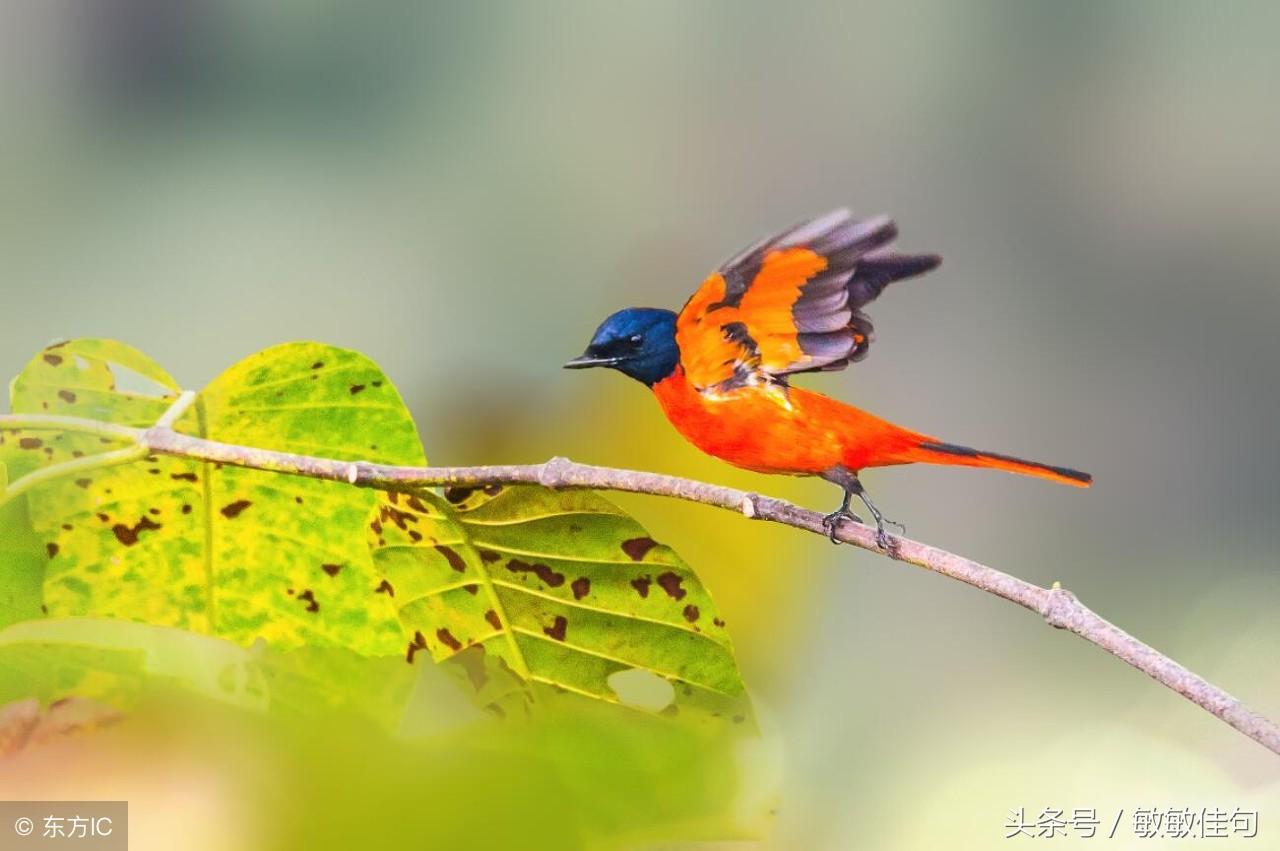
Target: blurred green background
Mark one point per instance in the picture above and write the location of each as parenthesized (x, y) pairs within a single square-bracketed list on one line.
[(462, 191)]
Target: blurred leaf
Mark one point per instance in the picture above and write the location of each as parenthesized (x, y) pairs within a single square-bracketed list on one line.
[(590, 777), (227, 551), (562, 588), (119, 662), (22, 560)]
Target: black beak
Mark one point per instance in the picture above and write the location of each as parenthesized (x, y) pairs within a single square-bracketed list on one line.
[(588, 361)]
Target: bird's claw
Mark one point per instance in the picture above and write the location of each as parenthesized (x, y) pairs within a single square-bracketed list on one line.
[(831, 522)]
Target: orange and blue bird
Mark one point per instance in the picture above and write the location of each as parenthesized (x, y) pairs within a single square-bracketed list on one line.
[(788, 304)]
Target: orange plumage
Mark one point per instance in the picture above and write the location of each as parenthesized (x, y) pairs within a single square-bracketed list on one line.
[(791, 303)]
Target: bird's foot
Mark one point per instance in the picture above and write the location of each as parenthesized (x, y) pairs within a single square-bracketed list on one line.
[(883, 541), (831, 522)]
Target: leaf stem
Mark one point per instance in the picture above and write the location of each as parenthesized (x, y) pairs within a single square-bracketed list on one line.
[(70, 468)]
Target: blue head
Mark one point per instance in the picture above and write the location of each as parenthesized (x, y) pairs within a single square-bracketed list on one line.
[(639, 342)]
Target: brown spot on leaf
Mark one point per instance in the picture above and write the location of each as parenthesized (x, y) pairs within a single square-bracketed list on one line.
[(456, 495), (492, 617), (30, 443), (546, 574), (186, 508), (416, 504), (635, 548), (471, 589), (83, 483), (128, 535), (154, 512), (385, 588), (298, 500), (691, 613), (75, 453), (104, 518), (489, 556), (451, 556), (396, 516), (419, 642), (53, 360), (376, 526), (67, 396), (447, 639), (184, 477), (234, 509), (415, 535), (331, 569), (66, 527), (376, 383), (310, 597), (670, 583), (581, 587), (52, 549), (356, 388), (641, 584), (718, 621), (317, 364), (557, 629)]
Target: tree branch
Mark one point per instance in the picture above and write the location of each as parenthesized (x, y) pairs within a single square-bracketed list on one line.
[(1058, 606)]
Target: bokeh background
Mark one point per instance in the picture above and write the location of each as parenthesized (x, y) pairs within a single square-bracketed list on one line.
[(463, 190)]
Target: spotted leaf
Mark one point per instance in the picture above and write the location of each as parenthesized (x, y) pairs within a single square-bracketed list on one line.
[(225, 551), (562, 588)]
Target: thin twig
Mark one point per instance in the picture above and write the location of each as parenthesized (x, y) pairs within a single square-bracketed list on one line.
[(1056, 605)]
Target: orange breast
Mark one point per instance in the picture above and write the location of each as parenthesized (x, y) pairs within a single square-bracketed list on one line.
[(790, 431)]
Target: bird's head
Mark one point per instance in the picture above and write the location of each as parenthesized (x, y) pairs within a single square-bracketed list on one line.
[(639, 342)]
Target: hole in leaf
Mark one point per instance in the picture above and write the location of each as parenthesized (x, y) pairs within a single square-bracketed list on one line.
[(128, 381), (642, 689)]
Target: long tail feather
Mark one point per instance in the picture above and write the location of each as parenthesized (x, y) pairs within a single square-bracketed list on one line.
[(950, 453)]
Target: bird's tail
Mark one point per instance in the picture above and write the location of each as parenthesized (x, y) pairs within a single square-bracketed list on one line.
[(931, 452)]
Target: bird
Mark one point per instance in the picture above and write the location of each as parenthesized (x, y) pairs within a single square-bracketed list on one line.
[(787, 304)]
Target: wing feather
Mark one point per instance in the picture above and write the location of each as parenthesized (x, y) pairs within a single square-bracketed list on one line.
[(791, 302)]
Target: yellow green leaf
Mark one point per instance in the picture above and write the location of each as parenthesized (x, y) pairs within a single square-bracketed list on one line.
[(119, 662), (22, 560), (562, 588), (226, 551)]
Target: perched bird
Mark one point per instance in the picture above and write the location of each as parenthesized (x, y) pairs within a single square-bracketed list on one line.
[(790, 303)]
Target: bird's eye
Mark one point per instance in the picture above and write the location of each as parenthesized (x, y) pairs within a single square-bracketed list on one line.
[(636, 339)]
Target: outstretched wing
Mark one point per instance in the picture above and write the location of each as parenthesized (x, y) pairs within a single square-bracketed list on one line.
[(791, 302)]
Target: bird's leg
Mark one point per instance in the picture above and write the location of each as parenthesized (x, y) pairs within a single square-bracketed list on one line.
[(848, 480), (832, 521), (882, 537)]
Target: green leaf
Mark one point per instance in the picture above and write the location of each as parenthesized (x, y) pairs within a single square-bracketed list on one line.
[(22, 560), (562, 588), (226, 551), (119, 662)]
